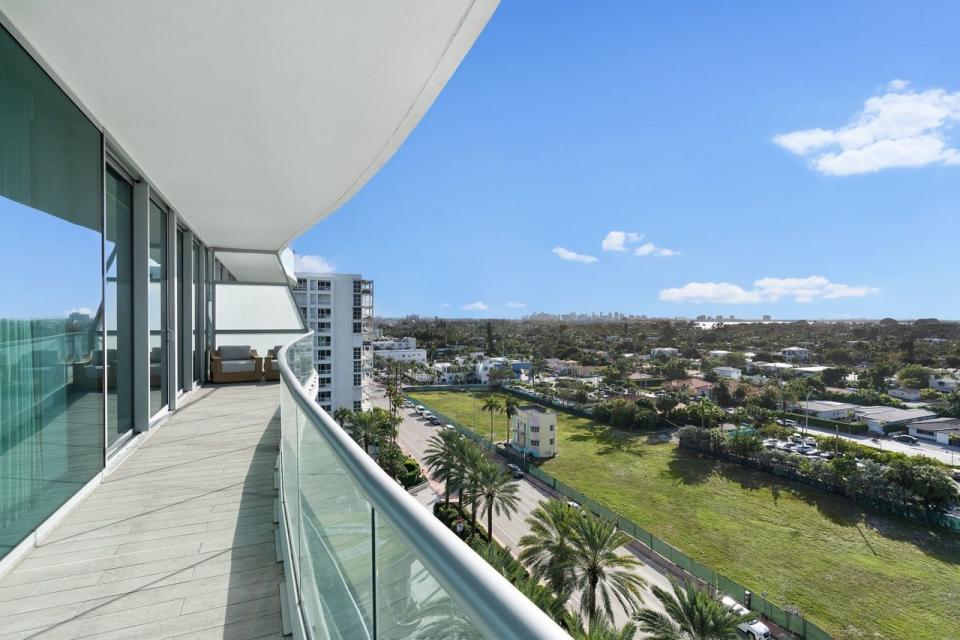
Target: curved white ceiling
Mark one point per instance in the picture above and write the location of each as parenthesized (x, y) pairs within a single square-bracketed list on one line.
[(254, 119)]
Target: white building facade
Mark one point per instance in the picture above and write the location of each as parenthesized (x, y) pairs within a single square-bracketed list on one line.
[(402, 350), (534, 431), (339, 309)]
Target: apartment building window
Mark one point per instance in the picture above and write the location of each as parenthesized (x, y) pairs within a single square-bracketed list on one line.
[(357, 286), (356, 299), (323, 354), (326, 407), (323, 285), (534, 429), (324, 396), (323, 341), (357, 353), (357, 366), (357, 379), (357, 327), (303, 312), (551, 440), (325, 381), (534, 443), (357, 314), (357, 406), (324, 312), (323, 368), (323, 326), (301, 285)]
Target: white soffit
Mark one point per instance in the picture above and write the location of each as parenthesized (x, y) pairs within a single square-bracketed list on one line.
[(254, 119), (254, 267)]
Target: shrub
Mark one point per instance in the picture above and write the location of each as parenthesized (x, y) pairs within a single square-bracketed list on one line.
[(700, 439)]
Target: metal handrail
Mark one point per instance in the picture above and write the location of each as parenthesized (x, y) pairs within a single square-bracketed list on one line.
[(490, 601)]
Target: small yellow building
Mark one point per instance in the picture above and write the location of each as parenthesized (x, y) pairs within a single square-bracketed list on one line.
[(534, 431)]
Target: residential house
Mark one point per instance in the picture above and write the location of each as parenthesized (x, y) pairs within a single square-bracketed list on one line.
[(795, 354), (731, 373), (937, 429), (885, 419), (827, 409)]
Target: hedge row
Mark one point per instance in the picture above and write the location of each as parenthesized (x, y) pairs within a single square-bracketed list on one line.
[(846, 427)]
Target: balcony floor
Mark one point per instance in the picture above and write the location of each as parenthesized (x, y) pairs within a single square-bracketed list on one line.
[(176, 543)]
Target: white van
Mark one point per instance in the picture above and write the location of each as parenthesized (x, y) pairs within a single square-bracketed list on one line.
[(752, 628), (420, 409)]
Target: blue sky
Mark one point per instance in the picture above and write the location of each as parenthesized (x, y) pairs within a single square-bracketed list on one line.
[(760, 144)]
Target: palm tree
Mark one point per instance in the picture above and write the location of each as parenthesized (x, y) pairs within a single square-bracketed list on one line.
[(342, 416), (471, 460), (600, 627), (366, 427), (691, 613), (440, 457), (552, 604), (599, 572), (546, 550), (510, 407), (491, 405), (497, 490)]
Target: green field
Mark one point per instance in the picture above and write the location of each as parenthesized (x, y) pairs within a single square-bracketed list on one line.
[(856, 573)]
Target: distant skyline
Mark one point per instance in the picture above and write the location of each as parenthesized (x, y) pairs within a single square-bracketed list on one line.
[(797, 161)]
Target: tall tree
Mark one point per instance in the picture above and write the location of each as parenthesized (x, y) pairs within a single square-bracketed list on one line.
[(342, 416), (497, 491), (442, 457), (366, 427), (600, 573), (491, 405), (546, 550), (510, 407), (690, 613)]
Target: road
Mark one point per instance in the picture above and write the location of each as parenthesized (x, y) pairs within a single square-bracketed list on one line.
[(947, 455), (413, 436)]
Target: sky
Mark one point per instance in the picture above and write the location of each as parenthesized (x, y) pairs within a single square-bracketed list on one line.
[(794, 159)]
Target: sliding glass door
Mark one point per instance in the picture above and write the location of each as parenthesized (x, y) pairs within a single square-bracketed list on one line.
[(157, 318), (51, 346), (197, 293), (183, 320), (118, 306)]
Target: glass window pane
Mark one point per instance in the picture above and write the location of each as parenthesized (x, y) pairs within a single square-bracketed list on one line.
[(118, 308), (51, 422), (158, 308)]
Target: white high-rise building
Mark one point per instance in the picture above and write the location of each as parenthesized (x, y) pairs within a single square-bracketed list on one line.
[(338, 307)]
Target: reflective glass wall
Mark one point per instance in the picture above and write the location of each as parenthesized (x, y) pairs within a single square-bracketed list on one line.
[(158, 308), (118, 309), (51, 312)]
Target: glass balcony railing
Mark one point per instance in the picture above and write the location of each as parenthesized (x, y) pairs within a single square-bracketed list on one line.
[(366, 559)]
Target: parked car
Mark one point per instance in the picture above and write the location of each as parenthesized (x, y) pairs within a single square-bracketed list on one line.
[(810, 441), (803, 449), (789, 423), (752, 628), (829, 455), (515, 471), (573, 503), (770, 443), (796, 439), (434, 420), (905, 439), (786, 446)]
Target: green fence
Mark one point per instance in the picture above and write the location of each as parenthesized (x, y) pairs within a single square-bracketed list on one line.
[(792, 622)]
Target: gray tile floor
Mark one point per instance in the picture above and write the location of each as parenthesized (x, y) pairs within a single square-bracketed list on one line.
[(177, 543)]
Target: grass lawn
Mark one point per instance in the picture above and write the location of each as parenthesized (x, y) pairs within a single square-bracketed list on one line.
[(856, 573)]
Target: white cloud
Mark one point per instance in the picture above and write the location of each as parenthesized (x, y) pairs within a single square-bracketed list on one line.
[(806, 289), (897, 84), (445, 305), (476, 306), (897, 129), (617, 240), (312, 264), (566, 254), (517, 305), (650, 249)]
